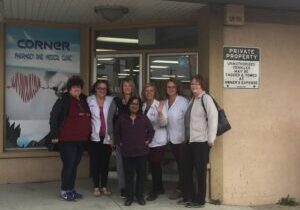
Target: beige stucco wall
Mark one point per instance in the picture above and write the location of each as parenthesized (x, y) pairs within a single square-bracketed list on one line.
[(261, 161), (21, 170)]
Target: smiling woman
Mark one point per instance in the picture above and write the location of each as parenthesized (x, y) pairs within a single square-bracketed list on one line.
[(133, 133)]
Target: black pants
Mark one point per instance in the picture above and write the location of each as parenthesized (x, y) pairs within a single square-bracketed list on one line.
[(135, 167), (70, 153), (156, 155), (99, 156), (156, 172), (197, 157), (179, 151)]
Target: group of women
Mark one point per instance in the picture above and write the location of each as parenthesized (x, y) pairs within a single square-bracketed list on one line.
[(139, 132)]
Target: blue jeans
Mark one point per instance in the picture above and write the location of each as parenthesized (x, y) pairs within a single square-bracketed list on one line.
[(70, 153)]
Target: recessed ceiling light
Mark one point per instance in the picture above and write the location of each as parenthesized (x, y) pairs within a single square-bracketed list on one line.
[(159, 67), (159, 78), (111, 13), (104, 50), (117, 40), (105, 59), (165, 61)]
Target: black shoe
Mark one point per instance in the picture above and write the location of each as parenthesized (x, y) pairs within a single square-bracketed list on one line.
[(152, 196), (128, 202), (123, 193), (183, 202), (194, 205), (176, 195), (161, 191), (141, 201)]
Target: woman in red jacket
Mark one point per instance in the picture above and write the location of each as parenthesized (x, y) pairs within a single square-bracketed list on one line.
[(70, 127), (133, 132)]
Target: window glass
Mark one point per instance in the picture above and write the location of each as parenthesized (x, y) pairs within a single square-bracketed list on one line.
[(178, 66), (116, 68)]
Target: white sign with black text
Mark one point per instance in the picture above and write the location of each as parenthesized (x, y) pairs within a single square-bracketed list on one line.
[(241, 67)]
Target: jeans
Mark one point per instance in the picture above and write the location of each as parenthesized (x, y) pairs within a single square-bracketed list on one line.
[(70, 153)]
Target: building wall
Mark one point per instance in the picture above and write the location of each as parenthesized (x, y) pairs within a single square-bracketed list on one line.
[(261, 158), (21, 170), (210, 42)]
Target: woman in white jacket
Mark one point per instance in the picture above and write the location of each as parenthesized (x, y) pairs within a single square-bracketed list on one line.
[(156, 112), (176, 106), (102, 109)]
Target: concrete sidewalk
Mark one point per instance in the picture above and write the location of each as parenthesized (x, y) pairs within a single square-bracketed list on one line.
[(44, 196)]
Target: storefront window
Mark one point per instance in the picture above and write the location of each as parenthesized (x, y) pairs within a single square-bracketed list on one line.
[(112, 65), (178, 66), (115, 68), (38, 63)]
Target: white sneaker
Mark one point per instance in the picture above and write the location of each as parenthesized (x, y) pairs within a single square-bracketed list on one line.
[(104, 191), (97, 192)]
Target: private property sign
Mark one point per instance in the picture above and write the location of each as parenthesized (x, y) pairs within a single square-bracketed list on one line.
[(241, 67)]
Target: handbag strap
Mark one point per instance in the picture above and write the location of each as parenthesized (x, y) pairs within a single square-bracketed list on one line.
[(216, 104), (202, 102)]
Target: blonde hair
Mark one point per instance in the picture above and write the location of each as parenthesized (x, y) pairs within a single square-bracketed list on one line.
[(131, 83), (175, 82), (146, 86)]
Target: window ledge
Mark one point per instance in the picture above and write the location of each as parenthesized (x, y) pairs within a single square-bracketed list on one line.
[(27, 154)]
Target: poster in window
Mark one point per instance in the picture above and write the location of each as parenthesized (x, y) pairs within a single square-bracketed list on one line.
[(39, 62)]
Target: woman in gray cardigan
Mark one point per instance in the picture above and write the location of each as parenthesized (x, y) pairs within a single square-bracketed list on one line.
[(201, 131)]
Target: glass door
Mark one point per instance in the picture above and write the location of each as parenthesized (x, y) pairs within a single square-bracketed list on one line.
[(114, 68)]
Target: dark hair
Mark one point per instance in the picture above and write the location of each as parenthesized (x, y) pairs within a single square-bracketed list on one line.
[(200, 80), (74, 81), (98, 82), (130, 102), (176, 84)]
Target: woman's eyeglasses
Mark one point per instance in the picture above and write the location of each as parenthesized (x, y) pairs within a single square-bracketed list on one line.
[(136, 104), (101, 88)]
